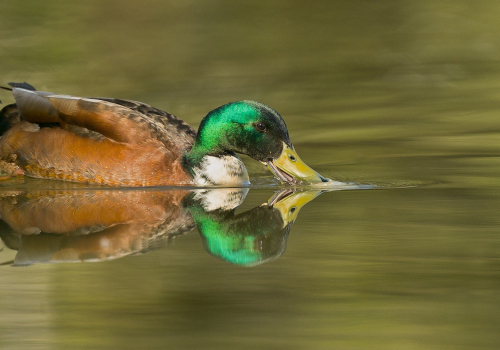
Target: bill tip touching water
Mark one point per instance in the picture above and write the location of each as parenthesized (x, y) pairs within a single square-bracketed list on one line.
[(127, 143)]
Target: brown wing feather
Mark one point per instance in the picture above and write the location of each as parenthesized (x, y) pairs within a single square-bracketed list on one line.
[(166, 127), (119, 120)]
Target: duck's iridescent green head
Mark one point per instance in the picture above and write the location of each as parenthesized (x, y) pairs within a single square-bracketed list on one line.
[(256, 130)]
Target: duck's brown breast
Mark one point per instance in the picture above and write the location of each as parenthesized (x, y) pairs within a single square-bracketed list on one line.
[(54, 153)]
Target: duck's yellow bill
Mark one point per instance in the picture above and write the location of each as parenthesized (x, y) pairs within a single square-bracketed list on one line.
[(290, 203), (288, 167)]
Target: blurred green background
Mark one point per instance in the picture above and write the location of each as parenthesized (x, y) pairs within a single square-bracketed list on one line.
[(404, 95)]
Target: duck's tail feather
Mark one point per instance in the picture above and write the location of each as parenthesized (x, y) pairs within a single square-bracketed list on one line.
[(9, 115), (24, 85)]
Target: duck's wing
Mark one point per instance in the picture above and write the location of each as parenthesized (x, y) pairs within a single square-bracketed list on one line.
[(119, 120), (164, 126)]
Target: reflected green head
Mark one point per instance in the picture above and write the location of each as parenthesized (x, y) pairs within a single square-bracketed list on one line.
[(246, 239)]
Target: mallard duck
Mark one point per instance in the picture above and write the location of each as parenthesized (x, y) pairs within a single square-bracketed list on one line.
[(127, 143)]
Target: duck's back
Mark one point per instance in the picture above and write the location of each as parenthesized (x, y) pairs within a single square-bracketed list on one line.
[(173, 132), (96, 140)]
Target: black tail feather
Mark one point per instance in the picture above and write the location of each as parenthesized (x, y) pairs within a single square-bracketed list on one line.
[(24, 85), (9, 115)]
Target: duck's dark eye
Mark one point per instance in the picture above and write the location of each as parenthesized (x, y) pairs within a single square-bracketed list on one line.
[(260, 127)]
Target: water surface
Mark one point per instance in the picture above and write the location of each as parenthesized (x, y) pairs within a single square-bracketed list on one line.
[(403, 96)]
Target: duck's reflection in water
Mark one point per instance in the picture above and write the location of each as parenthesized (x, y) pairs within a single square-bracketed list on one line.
[(75, 226)]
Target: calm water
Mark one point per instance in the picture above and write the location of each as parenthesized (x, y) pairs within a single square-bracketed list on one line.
[(399, 98)]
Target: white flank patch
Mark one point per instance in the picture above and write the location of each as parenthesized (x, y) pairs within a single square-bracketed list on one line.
[(226, 170)]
